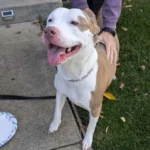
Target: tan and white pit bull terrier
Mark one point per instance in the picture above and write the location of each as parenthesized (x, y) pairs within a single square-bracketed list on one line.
[(83, 71)]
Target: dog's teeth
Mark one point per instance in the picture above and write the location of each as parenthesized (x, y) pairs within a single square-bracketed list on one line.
[(69, 49)]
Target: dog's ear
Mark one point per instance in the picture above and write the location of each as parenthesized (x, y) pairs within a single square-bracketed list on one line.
[(93, 26)]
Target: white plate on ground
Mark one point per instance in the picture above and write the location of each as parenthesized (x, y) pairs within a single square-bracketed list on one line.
[(8, 127)]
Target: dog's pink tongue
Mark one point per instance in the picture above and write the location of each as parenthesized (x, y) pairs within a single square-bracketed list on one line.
[(56, 55)]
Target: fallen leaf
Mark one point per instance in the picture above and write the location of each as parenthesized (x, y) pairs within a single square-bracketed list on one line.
[(122, 73), (36, 21), (107, 129), (40, 33), (145, 94), (130, 9), (114, 78), (128, 6), (123, 119), (142, 67), (109, 96), (123, 28), (8, 26), (135, 89), (101, 116), (19, 32), (121, 85)]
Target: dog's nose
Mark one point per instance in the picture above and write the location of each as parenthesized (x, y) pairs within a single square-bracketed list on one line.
[(50, 31), (53, 30), (46, 31)]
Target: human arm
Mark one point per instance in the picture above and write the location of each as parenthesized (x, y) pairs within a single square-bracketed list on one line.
[(110, 12)]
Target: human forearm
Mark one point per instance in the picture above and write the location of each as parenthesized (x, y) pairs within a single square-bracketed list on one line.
[(111, 12), (79, 4)]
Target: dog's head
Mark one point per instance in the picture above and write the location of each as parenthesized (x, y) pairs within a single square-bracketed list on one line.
[(67, 33)]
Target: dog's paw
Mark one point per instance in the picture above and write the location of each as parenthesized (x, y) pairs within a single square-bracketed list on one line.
[(87, 142), (54, 126)]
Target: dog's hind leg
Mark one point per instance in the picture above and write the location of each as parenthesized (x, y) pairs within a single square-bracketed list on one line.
[(60, 101)]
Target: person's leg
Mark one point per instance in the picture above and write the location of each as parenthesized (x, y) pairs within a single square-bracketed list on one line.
[(95, 5), (90, 4)]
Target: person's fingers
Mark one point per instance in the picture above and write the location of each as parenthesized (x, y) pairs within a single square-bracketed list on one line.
[(111, 51), (111, 57), (108, 51), (115, 56)]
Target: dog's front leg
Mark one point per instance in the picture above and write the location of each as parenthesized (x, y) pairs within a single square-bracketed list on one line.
[(60, 101), (88, 138)]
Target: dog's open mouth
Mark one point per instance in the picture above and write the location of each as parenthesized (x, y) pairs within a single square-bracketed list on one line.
[(57, 55)]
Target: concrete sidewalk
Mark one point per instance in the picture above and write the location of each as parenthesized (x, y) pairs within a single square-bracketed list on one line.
[(34, 118), (25, 72), (28, 10), (23, 62)]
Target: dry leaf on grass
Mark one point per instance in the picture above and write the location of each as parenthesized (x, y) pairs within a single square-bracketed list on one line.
[(135, 89), (130, 9), (109, 96), (114, 78), (122, 74), (123, 119), (128, 6), (107, 129), (121, 85), (101, 116), (145, 94), (142, 67), (124, 28)]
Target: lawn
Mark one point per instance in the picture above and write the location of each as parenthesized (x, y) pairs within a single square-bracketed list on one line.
[(133, 100)]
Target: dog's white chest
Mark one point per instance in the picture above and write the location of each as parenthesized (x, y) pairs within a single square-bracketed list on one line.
[(78, 92)]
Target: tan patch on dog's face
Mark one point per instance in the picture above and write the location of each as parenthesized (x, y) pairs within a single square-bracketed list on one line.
[(87, 24), (93, 26), (83, 24)]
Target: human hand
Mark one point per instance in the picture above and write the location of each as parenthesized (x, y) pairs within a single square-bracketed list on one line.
[(106, 38), (111, 49)]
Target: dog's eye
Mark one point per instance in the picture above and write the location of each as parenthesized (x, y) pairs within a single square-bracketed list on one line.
[(74, 23), (50, 20)]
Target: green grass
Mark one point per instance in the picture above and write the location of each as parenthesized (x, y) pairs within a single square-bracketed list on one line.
[(134, 134)]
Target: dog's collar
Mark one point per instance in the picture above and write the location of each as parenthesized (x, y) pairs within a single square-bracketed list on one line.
[(77, 80)]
